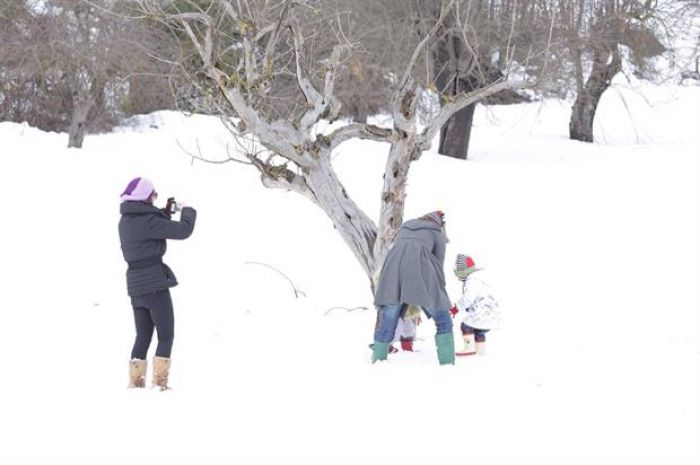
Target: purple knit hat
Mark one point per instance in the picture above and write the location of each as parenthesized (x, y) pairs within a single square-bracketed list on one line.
[(139, 189)]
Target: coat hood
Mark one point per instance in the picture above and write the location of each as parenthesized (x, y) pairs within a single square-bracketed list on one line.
[(420, 224)]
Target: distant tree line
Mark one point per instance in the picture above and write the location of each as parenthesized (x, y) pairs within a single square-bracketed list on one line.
[(82, 66)]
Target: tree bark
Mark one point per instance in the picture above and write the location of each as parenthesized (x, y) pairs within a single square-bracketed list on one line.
[(450, 81), (606, 64), (456, 134), (82, 103), (393, 197), (356, 228)]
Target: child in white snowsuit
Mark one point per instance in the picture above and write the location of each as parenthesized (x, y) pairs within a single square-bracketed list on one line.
[(478, 303)]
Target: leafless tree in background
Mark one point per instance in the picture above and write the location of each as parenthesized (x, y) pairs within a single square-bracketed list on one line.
[(685, 27), (86, 64), (476, 43), (594, 32), (75, 65)]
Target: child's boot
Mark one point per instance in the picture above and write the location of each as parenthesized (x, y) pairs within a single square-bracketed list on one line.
[(137, 373), (406, 344), (470, 345)]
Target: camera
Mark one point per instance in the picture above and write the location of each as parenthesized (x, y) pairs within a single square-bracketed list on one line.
[(171, 205)]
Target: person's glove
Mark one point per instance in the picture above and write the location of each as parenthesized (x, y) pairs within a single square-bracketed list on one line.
[(453, 311)]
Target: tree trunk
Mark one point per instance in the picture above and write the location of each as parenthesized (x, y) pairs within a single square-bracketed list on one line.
[(82, 103), (606, 64), (456, 134), (393, 198), (356, 228), (449, 79)]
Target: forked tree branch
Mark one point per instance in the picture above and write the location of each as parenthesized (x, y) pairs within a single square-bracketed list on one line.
[(319, 104), (462, 101), (360, 131)]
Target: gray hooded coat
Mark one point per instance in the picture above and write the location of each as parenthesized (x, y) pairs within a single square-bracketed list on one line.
[(143, 230), (413, 272)]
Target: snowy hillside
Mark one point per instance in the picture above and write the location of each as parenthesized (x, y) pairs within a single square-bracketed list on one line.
[(593, 250)]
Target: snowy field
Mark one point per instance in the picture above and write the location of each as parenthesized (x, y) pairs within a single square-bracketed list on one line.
[(592, 250)]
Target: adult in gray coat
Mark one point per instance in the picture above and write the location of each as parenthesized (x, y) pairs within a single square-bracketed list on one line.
[(413, 274), (143, 230)]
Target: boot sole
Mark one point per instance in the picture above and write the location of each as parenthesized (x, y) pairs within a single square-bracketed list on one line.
[(464, 354)]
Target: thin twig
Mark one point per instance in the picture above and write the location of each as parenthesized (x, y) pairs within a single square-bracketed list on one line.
[(344, 308), (201, 157), (297, 292)]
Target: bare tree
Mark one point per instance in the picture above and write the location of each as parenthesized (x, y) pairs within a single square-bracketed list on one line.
[(78, 66), (685, 23), (245, 46), (471, 50), (594, 31)]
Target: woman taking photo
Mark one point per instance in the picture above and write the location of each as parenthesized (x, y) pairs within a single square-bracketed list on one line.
[(143, 230)]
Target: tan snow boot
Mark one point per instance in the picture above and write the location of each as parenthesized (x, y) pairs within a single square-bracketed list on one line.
[(137, 373), (469, 346), (481, 348), (161, 369)]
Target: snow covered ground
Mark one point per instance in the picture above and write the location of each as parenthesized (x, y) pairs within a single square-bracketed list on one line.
[(593, 250)]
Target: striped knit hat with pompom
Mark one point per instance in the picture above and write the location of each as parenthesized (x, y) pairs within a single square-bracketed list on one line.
[(464, 266), (437, 217)]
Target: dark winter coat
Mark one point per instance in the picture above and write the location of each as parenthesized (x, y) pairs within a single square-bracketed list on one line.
[(413, 272), (143, 230)]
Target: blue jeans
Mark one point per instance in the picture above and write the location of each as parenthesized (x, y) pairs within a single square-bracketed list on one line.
[(389, 316)]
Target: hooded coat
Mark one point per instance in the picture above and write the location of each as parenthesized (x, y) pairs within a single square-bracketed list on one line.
[(413, 272), (143, 230), (479, 304)]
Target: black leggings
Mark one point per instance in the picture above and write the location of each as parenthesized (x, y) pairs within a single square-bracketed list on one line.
[(153, 310)]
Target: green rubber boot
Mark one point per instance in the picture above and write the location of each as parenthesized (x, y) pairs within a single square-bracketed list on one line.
[(445, 348), (380, 350)]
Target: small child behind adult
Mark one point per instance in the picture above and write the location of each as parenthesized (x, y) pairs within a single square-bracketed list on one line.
[(405, 332), (479, 305), (406, 328)]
